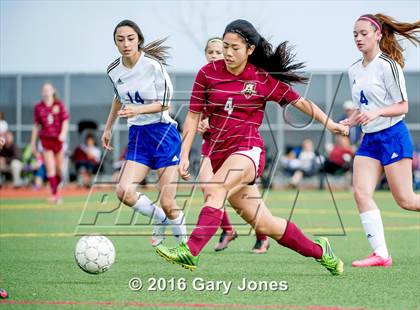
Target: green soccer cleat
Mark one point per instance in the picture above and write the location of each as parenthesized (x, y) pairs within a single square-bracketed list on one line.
[(328, 259), (180, 255)]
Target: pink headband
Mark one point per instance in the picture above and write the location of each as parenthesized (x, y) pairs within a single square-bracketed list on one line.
[(374, 22)]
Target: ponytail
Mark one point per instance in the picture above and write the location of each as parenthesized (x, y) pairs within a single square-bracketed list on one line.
[(389, 28), (280, 63), (157, 50)]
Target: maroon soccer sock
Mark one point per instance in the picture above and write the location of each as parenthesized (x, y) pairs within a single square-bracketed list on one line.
[(294, 239), (53, 185), (261, 237), (59, 179), (208, 223), (226, 225)]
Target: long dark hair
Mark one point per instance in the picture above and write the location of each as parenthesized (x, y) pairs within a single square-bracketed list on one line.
[(154, 49), (279, 63), (389, 28)]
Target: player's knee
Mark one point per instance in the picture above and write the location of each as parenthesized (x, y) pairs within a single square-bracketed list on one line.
[(215, 193), (407, 203), (362, 196), (124, 194), (120, 194), (167, 203)]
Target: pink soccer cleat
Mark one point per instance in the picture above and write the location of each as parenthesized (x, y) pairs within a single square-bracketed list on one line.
[(373, 261), (225, 238), (261, 246)]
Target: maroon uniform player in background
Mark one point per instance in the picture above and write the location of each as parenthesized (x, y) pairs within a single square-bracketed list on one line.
[(51, 123)]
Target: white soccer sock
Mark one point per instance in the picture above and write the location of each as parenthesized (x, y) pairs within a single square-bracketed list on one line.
[(146, 207), (178, 227), (372, 223)]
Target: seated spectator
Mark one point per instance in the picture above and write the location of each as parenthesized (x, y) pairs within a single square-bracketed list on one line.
[(289, 162), (34, 170), (305, 164), (40, 173), (340, 158), (86, 158), (3, 129), (9, 160)]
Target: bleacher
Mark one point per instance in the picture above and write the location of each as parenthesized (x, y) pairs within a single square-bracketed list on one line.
[(89, 96)]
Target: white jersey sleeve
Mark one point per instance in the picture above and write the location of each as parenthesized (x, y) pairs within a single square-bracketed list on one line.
[(394, 80), (112, 66), (116, 95), (163, 86)]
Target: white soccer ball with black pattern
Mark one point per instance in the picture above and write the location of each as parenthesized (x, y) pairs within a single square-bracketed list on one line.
[(94, 254)]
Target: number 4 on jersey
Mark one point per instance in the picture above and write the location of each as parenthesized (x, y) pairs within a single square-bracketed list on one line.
[(229, 106), (363, 99)]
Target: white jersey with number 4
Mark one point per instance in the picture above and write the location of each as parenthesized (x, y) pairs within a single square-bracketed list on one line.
[(380, 84), (144, 83)]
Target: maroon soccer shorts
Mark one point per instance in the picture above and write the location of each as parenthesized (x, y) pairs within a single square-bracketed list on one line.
[(52, 144)]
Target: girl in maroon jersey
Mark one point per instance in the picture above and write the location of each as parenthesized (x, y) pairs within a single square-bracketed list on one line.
[(234, 92), (51, 124), (213, 52)]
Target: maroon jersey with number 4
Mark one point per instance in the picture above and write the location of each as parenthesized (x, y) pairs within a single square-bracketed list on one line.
[(235, 105), (50, 118)]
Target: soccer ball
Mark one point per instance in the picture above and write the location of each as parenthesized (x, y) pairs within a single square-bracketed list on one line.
[(94, 254)]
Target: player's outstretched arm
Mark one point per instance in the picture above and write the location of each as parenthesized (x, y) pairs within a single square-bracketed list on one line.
[(131, 110), (312, 110), (190, 129), (351, 121), (113, 114)]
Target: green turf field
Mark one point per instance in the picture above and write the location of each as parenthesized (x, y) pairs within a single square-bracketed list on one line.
[(38, 269)]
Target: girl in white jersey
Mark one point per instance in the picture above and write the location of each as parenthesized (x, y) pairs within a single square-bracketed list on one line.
[(378, 87), (142, 94)]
